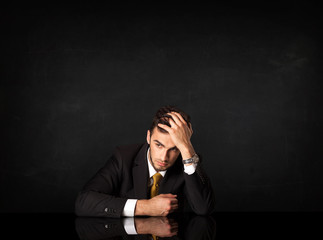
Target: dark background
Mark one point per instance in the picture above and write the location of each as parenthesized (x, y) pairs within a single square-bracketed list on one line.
[(77, 80)]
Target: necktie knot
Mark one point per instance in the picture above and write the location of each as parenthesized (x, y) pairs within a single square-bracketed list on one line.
[(157, 177)]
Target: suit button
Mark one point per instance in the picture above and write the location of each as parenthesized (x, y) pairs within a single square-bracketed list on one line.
[(106, 209), (114, 211)]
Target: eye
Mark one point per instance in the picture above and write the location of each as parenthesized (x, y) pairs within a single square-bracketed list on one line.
[(158, 145)]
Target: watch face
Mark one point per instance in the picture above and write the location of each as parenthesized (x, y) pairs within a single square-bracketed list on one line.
[(190, 160), (193, 159)]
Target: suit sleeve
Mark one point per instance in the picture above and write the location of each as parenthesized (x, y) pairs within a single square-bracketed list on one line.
[(99, 198), (199, 192)]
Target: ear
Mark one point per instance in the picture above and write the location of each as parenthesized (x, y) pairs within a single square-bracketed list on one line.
[(148, 137)]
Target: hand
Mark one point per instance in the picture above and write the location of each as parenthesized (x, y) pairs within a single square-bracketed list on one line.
[(159, 226), (161, 205), (180, 133)]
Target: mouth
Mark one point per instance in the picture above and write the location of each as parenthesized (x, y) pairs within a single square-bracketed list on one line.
[(161, 164)]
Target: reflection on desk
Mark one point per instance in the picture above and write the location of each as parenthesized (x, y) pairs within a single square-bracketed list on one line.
[(174, 227)]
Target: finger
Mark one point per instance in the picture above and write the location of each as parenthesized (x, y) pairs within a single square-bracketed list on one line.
[(175, 206), (168, 195), (180, 121), (180, 117), (173, 209), (172, 122), (176, 118), (174, 230), (174, 226), (168, 129), (190, 125)]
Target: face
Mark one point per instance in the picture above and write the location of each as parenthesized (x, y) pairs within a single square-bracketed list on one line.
[(163, 152)]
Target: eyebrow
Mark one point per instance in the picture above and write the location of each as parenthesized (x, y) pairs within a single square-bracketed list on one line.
[(164, 145)]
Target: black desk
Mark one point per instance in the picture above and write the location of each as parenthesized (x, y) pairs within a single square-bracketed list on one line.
[(172, 227), (219, 226)]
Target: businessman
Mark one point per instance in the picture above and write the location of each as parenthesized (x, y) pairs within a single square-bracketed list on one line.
[(156, 178)]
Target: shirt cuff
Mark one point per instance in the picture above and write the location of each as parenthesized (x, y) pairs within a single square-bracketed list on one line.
[(190, 169), (129, 226), (129, 208)]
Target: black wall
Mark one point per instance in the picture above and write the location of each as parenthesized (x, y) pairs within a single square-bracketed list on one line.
[(77, 81)]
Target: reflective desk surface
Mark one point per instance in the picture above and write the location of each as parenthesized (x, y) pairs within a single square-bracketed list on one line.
[(185, 226)]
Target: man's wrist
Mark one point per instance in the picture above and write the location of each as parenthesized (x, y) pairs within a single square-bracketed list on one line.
[(187, 152), (141, 226), (192, 160), (141, 207)]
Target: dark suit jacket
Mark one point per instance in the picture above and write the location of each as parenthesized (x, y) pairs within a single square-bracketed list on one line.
[(125, 176)]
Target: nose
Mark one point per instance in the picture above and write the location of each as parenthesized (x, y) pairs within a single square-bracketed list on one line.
[(164, 155)]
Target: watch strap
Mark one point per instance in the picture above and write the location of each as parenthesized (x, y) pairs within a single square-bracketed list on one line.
[(193, 159)]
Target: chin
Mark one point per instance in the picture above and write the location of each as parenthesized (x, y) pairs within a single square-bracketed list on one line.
[(158, 168)]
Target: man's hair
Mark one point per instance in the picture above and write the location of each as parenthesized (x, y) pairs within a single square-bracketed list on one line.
[(162, 117)]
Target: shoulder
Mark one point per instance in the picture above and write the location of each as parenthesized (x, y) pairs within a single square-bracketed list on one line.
[(129, 151)]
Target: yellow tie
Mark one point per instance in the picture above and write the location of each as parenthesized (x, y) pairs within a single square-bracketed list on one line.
[(154, 189)]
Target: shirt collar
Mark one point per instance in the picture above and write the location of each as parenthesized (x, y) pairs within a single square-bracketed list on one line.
[(151, 169)]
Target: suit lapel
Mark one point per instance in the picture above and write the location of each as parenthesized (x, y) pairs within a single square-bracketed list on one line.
[(140, 173), (171, 177)]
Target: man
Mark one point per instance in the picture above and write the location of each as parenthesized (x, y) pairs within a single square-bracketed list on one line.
[(156, 178)]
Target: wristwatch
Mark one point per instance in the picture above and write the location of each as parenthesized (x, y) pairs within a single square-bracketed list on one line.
[(193, 159)]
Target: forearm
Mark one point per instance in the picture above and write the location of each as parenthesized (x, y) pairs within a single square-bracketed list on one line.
[(141, 226), (187, 151), (96, 204), (142, 208), (199, 192)]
